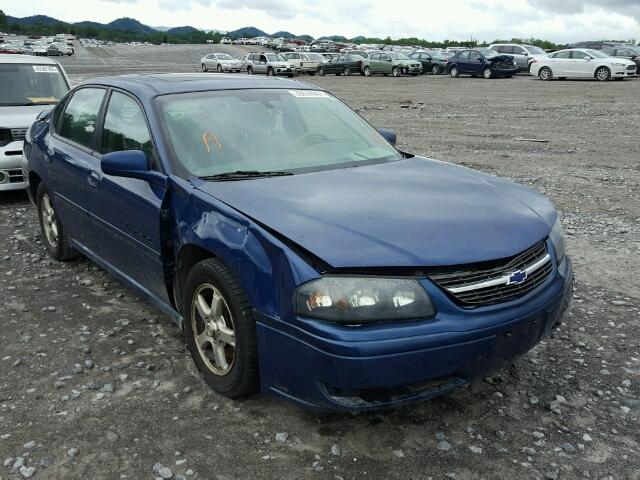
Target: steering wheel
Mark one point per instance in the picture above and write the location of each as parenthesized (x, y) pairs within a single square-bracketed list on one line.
[(310, 139)]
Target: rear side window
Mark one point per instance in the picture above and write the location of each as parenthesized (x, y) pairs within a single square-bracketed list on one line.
[(518, 51), (125, 127), (506, 49), (79, 118)]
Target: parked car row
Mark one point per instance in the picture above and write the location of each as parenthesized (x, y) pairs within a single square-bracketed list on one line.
[(45, 47)]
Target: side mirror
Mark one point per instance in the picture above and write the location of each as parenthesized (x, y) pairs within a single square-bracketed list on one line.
[(131, 164), (389, 135), (588, 59)]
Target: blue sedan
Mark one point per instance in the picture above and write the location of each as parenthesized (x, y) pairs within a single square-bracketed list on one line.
[(302, 254)]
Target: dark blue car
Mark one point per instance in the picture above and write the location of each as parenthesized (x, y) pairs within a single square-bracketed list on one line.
[(300, 252), (482, 62)]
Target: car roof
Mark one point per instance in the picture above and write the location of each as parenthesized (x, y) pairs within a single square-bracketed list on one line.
[(27, 59), (153, 84)]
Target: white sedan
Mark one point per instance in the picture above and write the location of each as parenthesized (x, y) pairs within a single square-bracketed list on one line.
[(221, 62), (582, 63)]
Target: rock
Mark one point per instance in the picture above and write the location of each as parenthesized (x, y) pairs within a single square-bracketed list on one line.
[(181, 461), (625, 409), (444, 445), (18, 462), (8, 461), (88, 364), (587, 438), (567, 447), (29, 445), (72, 452), (476, 450), (45, 462), (165, 473), (398, 453), (27, 472), (619, 303), (282, 437), (107, 388), (538, 435), (336, 450)]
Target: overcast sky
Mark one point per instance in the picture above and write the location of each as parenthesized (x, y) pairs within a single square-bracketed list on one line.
[(557, 20)]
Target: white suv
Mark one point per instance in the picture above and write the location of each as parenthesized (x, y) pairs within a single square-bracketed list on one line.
[(29, 86), (524, 55)]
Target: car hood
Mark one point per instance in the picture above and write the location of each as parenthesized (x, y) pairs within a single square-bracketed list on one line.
[(500, 58), (413, 212), (21, 117)]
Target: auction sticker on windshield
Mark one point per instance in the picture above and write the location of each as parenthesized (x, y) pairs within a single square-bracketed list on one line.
[(45, 69), (308, 94)]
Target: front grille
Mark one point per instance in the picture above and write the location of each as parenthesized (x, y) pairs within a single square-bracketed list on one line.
[(505, 65), (8, 135), (15, 176), (482, 285), (631, 68)]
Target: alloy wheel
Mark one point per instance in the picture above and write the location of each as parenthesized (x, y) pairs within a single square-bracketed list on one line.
[(487, 73), (435, 70), (603, 74), (213, 329), (367, 71), (49, 221), (219, 68), (545, 74), (395, 72)]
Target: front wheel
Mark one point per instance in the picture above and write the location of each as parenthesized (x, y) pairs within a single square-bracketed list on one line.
[(219, 68), (220, 329), (346, 72), (321, 72), (395, 71), (204, 68), (603, 74), (52, 231), (270, 72), (367, 71), (545, 73), (487, 73), (250, 71)]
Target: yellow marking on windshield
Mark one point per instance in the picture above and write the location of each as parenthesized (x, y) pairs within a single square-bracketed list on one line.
[(42, 99), (206, 136)]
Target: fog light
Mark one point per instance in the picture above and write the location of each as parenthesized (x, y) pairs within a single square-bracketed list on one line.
[(4, 178)]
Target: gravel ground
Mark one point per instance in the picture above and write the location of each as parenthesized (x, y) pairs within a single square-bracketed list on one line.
[(97, 384)]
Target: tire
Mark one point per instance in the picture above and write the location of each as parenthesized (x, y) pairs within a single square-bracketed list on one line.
[(346, 71), (52, 231), (311, 74), (545, 73), (603, 74), (321, 72), (367, 71), (487, 73), (270, 72), (204, 68), (395, 71), (219, 68), (233, 370), (250, 71), (454, 72), (435, 70)]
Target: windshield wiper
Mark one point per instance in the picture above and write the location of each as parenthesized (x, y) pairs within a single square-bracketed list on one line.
[(244, 174)]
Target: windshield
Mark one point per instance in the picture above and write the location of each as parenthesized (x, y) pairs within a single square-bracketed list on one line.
[(267, 130), (24, 84), (596, 53), (224, 56), (535, 50), (316, 57), (272, 57), (398, 56)]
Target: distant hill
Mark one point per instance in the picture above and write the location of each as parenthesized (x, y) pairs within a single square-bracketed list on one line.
[(88, 24), (282, 35), (182, 30), (246, 32), (34, 20), (127, 24), (162, 28), (334, 38)]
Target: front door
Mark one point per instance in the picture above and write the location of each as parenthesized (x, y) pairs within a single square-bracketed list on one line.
[(476, 63), (126, 213)]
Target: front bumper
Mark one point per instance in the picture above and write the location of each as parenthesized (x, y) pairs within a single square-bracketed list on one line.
[(325, 366), (11, 175)]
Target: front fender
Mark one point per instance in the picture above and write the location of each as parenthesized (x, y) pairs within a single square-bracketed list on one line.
[(268, 270)]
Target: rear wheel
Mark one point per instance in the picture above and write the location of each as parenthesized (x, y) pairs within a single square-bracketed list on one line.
[(220, 329), (487, 73), (454, 72), (53, 234), (204, 68), (545, 73), (603, 74), (435, 70), (395, 71), (346, 71)]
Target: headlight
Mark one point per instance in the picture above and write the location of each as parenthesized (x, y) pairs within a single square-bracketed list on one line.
[(363, 299), (557, 240), (619, 64)]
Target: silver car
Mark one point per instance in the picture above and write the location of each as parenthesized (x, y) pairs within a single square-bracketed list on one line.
[(221, 62), (270, 64), (29, 86), (523, 55)]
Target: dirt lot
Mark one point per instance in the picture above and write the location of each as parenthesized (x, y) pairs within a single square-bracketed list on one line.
[(97, 384)]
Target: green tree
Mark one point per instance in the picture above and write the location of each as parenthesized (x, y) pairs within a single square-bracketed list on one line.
[(3, 18)]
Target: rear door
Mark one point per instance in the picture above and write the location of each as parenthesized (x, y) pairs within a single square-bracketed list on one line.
[(561, 64), (462, 60), (126, 213), (521, 57), (71, 147)]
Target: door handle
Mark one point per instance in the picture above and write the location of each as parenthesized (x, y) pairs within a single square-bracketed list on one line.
[(93, 178)]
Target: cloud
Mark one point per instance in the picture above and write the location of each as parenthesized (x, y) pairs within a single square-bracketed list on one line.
[(186, 5), (272, 8), (574, 7)]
